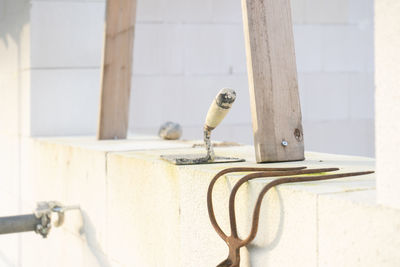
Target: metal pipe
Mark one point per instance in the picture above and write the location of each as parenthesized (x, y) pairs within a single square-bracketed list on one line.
[(17, 224)]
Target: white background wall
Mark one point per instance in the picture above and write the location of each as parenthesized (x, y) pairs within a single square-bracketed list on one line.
[(187, 45)]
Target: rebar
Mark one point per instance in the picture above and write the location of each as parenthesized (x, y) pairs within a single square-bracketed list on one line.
[(233, 241)]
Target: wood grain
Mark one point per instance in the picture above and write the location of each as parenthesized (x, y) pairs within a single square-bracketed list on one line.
[(271, 65), (117, 69)]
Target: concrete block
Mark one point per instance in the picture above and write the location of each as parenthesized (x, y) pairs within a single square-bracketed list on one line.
[(326, 11), (150, 11), (73, 176), (155, 100), (225, 11), (158, 210), (143, 211), (237, 50), (350, 184), (64, 102), (347, 48), (286, 213), (179, 11), (188, 11), (158, 49), (25, 103), (301, 78), (66, 249), (356, 136), (309, 47), (281, 218), (9, 104), (9, 164), (366, 229), (76, 30), (198, 235), (387, 61), (210, 49), (282, 213), (362, 94), (327, 96), (298, 11), (361, 11)]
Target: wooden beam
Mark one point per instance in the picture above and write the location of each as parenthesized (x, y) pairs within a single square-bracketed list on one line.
[(117, 69), (271, 65)]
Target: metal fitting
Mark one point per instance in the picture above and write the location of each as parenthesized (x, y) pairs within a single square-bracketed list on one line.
[(40, 221)]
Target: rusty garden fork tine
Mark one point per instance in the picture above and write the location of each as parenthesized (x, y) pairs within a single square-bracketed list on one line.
[(231, 170), (232, 215), (233, 242), (256, 212)]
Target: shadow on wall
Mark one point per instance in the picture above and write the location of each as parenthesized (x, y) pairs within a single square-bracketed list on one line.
[(265, 240), (14, 15), (5, 259), (88, 232)]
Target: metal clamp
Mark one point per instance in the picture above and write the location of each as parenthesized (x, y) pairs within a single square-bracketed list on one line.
[(44, 212), (233, 241), (40, 221)]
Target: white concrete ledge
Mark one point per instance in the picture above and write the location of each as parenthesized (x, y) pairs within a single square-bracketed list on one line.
[(139, 210)]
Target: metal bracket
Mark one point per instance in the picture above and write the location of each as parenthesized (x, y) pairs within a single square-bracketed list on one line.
[(233, 241)]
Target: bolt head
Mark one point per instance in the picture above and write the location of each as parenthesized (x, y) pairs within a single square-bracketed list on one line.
[(284, 143)]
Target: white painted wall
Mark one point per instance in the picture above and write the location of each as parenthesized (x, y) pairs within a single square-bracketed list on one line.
[(187, 45), (387, 45)]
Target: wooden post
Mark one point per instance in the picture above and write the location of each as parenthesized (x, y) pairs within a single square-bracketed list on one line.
[(271, 65), (117, 69)]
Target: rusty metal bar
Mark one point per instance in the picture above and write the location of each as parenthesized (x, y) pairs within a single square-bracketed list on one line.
[(233, 242), (231, 170), (252, 176)]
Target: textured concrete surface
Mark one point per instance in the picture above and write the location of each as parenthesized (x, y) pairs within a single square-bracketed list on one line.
[(387, 25), (138, 210)]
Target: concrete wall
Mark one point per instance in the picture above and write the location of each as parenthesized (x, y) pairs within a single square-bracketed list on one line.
[(139, 210), (182, 46), (387, 45), (14, 57), (201, 48)]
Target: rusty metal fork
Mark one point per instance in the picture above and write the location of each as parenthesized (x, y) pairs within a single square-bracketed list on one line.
[(233, 241)]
